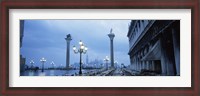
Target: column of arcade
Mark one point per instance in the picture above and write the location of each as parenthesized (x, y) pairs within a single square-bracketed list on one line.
[(139, 64)]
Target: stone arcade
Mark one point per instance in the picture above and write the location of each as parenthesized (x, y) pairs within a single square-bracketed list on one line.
[(155, 46)]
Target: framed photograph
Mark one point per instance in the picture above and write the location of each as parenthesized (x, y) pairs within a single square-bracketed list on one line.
[(100, 48)]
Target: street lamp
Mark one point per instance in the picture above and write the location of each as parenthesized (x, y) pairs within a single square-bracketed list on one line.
[(55, 66), (122, 65), (116, 64), (42, 61), (52, 63), (106, 59), (61, 66), (83, 49), (32, 62)]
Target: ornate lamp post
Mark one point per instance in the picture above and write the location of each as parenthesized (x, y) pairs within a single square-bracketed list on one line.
[(61, 66), (42, 61), (116, 64), (52, 63), (81, 50), (106, 59), (32, 62), (55, 66), (122, 65)]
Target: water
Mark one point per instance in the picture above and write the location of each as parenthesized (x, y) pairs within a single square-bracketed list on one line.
[(52, 72)]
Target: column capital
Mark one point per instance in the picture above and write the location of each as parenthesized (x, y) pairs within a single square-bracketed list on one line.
[(68, 37), (111, 35)]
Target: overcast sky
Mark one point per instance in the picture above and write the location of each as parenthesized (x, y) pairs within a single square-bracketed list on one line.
[(45, 38)]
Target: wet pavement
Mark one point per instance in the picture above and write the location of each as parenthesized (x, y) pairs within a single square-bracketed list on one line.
[(91, 72)]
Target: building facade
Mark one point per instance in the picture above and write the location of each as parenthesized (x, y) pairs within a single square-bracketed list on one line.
[(22, 59), (154, 45)]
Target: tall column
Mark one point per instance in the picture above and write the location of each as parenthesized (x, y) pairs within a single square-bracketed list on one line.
[(148, 65), (167, 60), (133, 63), (68, 39), (137, 65), (142, 65), (111, 36), (136, 62), (164, 60), (153, 65), (176, 43)]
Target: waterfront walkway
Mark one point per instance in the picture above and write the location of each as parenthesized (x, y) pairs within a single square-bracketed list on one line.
[(93, 72)]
